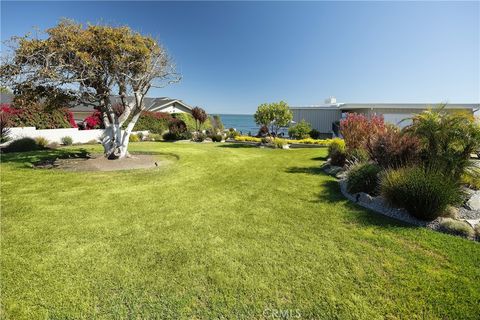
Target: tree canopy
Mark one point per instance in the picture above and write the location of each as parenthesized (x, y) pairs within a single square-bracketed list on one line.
[(89, 65), (273, 115)]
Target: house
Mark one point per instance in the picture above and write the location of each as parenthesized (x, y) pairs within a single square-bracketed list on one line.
[(326, 117), (163, 104)]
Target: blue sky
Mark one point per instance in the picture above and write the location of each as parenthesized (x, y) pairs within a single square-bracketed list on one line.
[(234, 56)]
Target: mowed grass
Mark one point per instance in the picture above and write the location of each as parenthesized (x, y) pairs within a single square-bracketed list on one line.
[(221, 232)]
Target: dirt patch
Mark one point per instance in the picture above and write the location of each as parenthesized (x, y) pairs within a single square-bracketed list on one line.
[(98, 162)]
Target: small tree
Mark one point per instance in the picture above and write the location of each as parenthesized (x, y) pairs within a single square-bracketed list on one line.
[(300, 131), (273, 115), (200, 117), (89, 65)]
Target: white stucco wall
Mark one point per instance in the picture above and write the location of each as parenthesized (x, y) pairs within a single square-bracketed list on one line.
[(56, 135)]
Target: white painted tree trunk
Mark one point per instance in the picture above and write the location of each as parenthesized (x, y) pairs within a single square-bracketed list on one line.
[(115, 142)]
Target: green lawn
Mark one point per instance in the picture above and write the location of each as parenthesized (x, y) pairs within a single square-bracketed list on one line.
[(222, 232)]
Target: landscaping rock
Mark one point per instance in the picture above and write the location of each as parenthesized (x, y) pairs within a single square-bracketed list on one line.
[(474, 202), (366, 198), (473, 222)]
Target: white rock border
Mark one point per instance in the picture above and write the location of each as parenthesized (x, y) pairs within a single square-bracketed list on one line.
[(378, 205)]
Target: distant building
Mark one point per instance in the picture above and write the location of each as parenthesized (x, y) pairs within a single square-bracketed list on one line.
[(164, 104), (326, 117)]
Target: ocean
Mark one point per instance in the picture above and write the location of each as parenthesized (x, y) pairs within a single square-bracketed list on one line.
[(243, 123)]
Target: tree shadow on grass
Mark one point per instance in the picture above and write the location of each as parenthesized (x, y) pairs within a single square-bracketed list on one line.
[(364, 217), (324, 158), (309, 170), (235, 145), (33, 157)]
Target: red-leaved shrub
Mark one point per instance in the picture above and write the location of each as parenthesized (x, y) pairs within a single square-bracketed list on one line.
[(35, 114), (393, 149), (357, 129)]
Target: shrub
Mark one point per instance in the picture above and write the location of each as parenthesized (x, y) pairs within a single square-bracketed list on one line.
[(471, 179), (35, 114), (67, 141), (300, 130), (134, 138), (232, 134), (93, 121), (450, 212), (140, 135), (41, 142), (93, 141), (477, 231), (4, 126), (263, 131), (314, 134), (154, 137), (169, 136), (447, 138), (279, 143), (336, 152), (357, 155), (393, 149), (177, 126), (455, 227), (199, 137), (424, 193), (247, 138), (216, 137), (357, 129), (363, 177), (22, 145), (154, 122), (53, 145)]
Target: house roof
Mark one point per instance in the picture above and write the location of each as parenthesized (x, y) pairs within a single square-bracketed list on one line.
[(351, 106), (152, 104)]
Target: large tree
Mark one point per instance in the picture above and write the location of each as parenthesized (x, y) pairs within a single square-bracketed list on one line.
[(110, 68), (273, 116)]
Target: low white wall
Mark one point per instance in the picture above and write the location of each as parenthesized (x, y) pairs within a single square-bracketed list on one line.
[(56, 135)]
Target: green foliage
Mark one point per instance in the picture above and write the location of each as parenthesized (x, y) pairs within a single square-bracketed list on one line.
[(190, 121), (424, 193), (4, 126), (357, 155), (35, 114), (22, 145), (199, 137), (216, 137), (477, 231), (279, 143), (448, 139), (363, 177), (155, 137), (337, 152), (217, 124), (471, 179), (314, 134), (153, 122), (273, 115), (300, 130), (41, 142), (134, 138), (458, 228), (67, 141)]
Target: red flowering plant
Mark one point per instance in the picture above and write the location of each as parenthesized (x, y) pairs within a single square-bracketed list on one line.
[(93, 121)]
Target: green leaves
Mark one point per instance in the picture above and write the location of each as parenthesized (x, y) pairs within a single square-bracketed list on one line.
[(273, 115)]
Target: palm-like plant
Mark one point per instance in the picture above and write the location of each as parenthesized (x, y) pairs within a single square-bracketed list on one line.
[(448, 139)]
